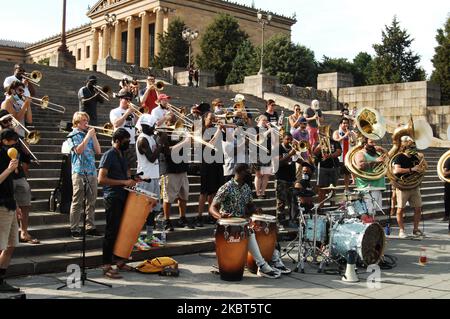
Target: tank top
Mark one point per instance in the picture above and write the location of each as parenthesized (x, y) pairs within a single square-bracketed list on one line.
[(363, 183), (150, 170)]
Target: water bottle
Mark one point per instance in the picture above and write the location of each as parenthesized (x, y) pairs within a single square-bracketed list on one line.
[(161, 226)]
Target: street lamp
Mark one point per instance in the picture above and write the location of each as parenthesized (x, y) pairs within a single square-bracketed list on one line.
[(190, 35), (263, 21), (110, 19)]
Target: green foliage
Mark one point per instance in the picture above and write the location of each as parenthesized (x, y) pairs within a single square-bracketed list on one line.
[(246, 63), (330, 65), (45, 61), (292, 63), (362, 64), (219, 46), (395, 62), (441, 62), (174, 50)]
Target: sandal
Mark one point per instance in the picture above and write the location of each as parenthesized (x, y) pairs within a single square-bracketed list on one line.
[(111, 273), (32, 241), (125, 267)]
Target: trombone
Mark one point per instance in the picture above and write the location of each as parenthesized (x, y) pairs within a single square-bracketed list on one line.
[(105, 92), (24, 145), (34, 77), (32, 137), (106, 130), (45, 102)]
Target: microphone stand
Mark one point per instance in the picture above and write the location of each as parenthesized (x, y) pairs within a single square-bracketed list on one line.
[(86, 187)]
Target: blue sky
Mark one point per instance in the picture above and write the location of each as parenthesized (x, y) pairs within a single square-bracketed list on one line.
[(335, 28)]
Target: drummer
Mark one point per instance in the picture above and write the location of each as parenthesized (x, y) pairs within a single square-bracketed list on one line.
[(114, 175), (234, 199), (370, 156)]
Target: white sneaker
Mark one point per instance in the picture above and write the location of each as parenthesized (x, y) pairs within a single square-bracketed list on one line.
[(268, 272), (282, 268), (402, 234)]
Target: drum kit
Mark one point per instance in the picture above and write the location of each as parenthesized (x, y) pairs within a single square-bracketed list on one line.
[(327, 239)]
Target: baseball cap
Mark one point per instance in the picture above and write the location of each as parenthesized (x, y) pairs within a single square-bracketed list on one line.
[(238, 98), (91, 78), (124, 94), (145, 119), (163, 97), (303, 120)]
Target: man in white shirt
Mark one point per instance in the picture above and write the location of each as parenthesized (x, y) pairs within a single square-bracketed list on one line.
[(159, 113), (18, 76), (124, 117)]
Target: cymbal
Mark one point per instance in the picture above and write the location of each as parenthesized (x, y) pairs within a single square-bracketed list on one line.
[(333, 188), (370, 189)]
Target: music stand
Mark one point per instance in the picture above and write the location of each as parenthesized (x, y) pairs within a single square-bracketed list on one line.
[(86, 187)]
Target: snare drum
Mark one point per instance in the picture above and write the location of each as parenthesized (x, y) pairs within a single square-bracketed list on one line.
[(321, 229), (266, 230), (232, 247), (137, 208)]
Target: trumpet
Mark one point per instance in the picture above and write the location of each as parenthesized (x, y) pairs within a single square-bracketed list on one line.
[(136, 109), (105, 92), (159, 86), (34, 77), (106, 130), (44, 103)]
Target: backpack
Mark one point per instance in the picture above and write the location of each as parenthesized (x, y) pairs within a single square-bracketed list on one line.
[(164, 266)]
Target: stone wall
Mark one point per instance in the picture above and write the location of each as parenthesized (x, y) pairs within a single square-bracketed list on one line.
[(9, 54)]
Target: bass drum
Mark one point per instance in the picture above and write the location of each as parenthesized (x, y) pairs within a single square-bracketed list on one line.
[(367, 239)]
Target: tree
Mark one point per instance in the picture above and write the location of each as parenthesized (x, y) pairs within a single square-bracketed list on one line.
[(395, 62), (362, 64), (219, 46), (330, 65), (174, 50), (441, 62), (292, 63), (246, 63)]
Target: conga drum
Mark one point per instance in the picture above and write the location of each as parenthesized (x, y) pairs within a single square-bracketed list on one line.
[(266, 230), (137, 208), (231, 247)]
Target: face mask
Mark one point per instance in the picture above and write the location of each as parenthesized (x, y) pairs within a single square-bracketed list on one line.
[(125, 146), (306, 177)]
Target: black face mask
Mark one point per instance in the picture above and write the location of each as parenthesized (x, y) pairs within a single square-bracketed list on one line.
[(125, 146), (371, 150)]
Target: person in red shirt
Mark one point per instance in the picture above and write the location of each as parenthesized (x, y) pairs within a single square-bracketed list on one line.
[(150, 95)]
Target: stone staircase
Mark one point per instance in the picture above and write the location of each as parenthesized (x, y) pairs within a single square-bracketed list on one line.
[(57, 249)]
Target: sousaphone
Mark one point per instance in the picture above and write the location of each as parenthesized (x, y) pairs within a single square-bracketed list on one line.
[(371, 125), (442, 160)]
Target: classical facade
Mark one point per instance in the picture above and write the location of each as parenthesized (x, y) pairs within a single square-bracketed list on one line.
[(132, 38)]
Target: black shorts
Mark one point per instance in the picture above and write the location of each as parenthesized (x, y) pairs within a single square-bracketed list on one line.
[(344, 170), (211, 179)]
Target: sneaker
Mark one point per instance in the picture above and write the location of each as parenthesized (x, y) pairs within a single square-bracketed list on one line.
[(268, 272), (141, 245), (199, 222), (282, 269), (184, 223), (5, 287), (402, 234), (153, 241), (169, 226), (94, 233), (76, 235), (417, 233)]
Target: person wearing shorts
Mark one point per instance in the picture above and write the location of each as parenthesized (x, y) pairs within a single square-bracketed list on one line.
[(9, 212), (405, 164)]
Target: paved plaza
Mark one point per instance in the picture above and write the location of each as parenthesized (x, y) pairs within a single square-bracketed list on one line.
[(198, 279)]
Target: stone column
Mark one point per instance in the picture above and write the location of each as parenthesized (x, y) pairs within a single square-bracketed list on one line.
[(95, 48), (130, 40), (159, 29), (145, 38), (106, 41), (117, 52)]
